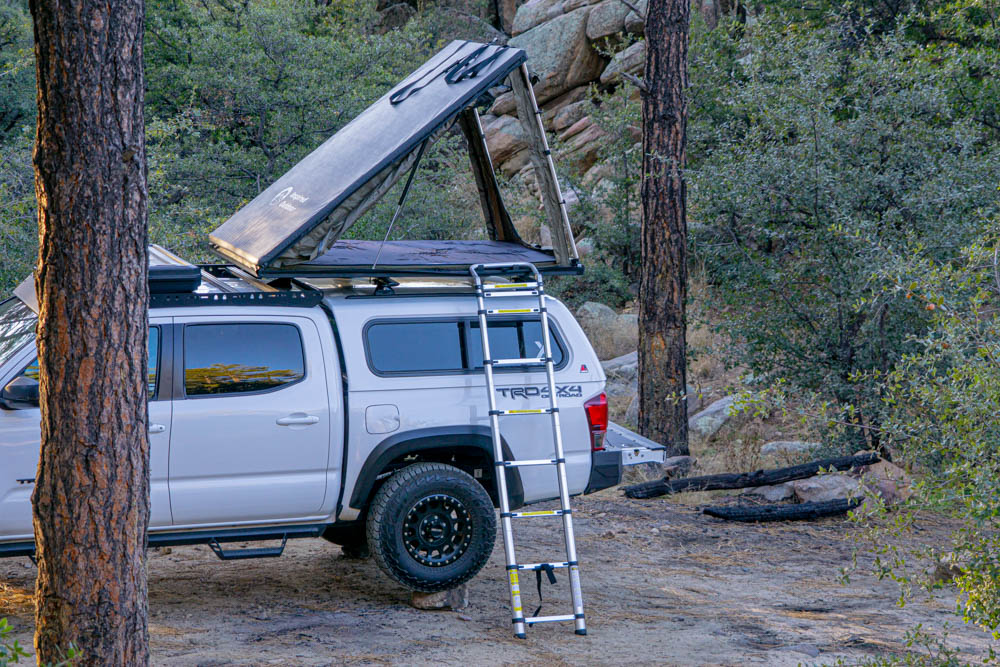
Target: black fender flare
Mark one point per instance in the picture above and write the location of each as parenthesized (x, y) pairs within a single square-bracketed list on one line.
[(438, 437)]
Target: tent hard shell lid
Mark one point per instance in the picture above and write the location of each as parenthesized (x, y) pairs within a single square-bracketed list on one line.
[(294, 226)]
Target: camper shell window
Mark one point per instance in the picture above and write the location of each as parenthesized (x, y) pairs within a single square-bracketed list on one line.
[(453, 346)]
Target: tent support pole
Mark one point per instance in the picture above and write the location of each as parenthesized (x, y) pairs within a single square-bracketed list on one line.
[(530, 116), (498, 222), (402, 200)]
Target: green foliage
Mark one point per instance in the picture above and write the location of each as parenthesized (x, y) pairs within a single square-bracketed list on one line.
[(941, 403), (18, 235), (831, 157), (17, 70), (10, 650), (237, 93)]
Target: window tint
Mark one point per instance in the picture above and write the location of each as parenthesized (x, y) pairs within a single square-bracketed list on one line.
[(406, 347), (512, 340), (442, 347), (32, 372), (239, 358)]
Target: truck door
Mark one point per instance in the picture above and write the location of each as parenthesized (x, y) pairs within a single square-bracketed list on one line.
[(251, 420), (20, 437)]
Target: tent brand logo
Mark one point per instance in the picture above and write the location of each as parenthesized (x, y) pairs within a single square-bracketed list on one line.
[(285, 198), (563, 391)]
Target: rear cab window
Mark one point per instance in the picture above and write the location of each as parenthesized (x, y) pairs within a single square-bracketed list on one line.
[(435, 347), (232, 358)]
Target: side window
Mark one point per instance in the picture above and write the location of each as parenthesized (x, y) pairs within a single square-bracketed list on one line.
[(31, 371), (152, 374), (520, 339), (413, 347), (241, 358)]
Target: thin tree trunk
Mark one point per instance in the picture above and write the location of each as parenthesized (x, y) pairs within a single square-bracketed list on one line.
[(91, 500), (663, 282)]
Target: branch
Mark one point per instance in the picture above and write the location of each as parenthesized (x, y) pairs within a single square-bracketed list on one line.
[(799, 512), (748, 479), (637, 82)]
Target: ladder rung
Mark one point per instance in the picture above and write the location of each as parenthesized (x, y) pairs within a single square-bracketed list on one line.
[(524, 515), (539, 566), (518, 362), (550, 619), (509, 286), (530, 462), (496, 293), (510, 311), (535, 411)]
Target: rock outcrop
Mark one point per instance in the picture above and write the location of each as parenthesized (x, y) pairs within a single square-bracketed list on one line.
[(611, 334), (572, 45)]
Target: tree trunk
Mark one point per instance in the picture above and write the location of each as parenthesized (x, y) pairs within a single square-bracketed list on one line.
[(91, 499), (663, 281)]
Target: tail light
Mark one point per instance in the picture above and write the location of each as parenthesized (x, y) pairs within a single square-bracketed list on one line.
[(597, 420)]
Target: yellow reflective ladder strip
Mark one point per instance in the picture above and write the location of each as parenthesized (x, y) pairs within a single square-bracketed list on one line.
[(511, 311), (525, 412)]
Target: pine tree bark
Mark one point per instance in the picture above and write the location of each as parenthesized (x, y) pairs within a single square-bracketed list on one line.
[(91, 499), (663, 280)]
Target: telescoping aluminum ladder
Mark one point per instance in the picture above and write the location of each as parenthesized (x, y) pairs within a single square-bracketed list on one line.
[(500, 290)]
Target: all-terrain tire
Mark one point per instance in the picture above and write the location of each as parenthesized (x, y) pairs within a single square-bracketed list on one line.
[(431, 527)]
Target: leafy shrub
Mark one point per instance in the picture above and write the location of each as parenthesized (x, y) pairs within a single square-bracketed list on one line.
[(942, 402), (832, 157), (10, 650)]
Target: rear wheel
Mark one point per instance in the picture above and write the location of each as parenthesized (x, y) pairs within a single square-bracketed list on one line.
[(431, 527)]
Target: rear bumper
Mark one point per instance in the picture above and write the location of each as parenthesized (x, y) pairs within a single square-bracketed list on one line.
[(605, 470)]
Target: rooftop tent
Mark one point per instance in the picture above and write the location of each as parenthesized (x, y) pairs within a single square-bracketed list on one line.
[(294, 226)]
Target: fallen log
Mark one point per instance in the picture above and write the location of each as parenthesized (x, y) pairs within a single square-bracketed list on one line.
[(744, 480), (799, 512)]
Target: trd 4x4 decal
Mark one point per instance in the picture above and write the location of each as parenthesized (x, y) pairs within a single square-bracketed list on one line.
[(562, 391)]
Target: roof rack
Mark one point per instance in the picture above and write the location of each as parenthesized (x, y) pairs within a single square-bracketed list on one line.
[(174, 282), (298, 299)]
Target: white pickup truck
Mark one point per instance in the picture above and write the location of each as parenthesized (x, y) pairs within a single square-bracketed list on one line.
[(277, 414)]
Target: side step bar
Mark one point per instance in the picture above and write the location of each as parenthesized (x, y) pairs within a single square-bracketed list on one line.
[(240, 554), (216, 536)]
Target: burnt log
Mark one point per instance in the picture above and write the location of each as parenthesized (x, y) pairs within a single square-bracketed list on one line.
[(798, 512), (745, 480)]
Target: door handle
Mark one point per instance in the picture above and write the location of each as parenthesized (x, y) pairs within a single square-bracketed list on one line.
[(298, 419), (157, 428)]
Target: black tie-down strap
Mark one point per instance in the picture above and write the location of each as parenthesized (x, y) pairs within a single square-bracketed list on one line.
[(549, 570), (465, 68)]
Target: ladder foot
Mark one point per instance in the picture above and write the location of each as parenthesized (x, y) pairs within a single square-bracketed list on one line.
[(581, 632), (522, 635)]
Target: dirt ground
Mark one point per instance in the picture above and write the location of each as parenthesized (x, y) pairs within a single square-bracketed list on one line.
[(663, 585)]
